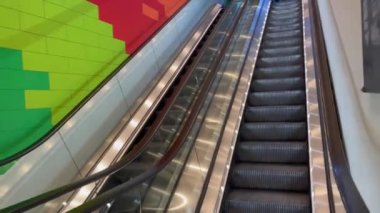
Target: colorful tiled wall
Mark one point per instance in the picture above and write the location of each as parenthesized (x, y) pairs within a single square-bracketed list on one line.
[(53, 53)]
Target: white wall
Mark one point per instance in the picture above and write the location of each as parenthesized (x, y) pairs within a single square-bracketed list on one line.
[(359, 112), (61, 158)]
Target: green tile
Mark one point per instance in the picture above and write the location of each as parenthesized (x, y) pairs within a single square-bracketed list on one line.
[(35, 99), (12, 142), (10, 58), (64, 48), (85, 37), (44, 62), (12, 99), (21, 80), (42, 26), (9, 18), (22, 119), (35, 7)]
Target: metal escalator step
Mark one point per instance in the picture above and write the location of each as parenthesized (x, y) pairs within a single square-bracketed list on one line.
[(279, 72), (275, 113), (283, 28), (286, 2), (275, 43), (270, 176), (267, 202), (282, 35), (153, 152), (263, 85), (174, 117), (273, 152), (182, 103), (165, 133), (284, 16), (279, 7), (270, 52), (284, 21), (280, 12), (294, 97), (274, 131), (280, 60)]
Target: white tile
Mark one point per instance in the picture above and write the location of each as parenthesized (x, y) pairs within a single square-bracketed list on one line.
[(138, 74), (165, 44), (45, 168), (88, 130)]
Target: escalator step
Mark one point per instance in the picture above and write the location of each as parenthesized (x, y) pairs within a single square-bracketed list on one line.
[(275, 113), (279, 72), (165, 133), (273, 152), (284, 21), (274, 131), (294, 97), (182, 103), (264, 85), (267, 202), (284, 3), (285, 16), (270, 171), (280, 12), (286, 7), (289, 27), (289, 42), (174, 117), (272, 52), (270, 177), (280, 60), (282, 35)]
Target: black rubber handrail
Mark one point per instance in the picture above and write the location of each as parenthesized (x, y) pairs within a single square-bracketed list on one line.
[(177, 145), (136, 151), (331, 131), (81, 104)]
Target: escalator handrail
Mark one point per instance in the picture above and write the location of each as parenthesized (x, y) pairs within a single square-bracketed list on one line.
[(85, 100), (136, 151), (111, 194), (331, 129)]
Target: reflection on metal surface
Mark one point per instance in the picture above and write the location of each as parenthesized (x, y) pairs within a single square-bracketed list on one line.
[(318, 181), (213, 198), (212, 127), (193, 170), (127, 134)]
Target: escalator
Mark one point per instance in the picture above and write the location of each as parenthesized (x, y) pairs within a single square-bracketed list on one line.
[(270, 169), (198, 70), (270, 164)]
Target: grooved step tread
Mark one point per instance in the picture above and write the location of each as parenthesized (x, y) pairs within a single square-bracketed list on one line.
[(241, 200), (270, 171), (274, 131), (275, 113), (272, 152), (279, 72), (293, 97), (270, 176), (265, 85), (273, 43)]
